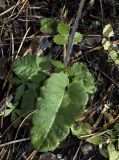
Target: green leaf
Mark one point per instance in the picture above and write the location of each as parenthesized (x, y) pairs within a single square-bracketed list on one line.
[(68, 70), (19, 92), (58, 64), (48, 105), (8, 110), (96, 139), (113, 55), (48, 25), (116, 126), (71, 107), (30, 65), (63, 29), (106, 44), (15, 80), (113, 154), (60, 39), (47, 134), (79, 69), (28, 100), (38, 78), (117, 61), (103, 151), (78, 38), (84, 129), (32, 85), (84, 77), (108, 31), (77, 92)]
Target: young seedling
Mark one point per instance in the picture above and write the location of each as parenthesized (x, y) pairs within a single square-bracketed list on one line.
[(63, 33)]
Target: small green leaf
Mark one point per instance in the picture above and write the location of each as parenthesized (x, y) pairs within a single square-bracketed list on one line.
[(116, 126), (113, 154), (58, 64), (113, 55), (8, 110), (117, 61), (48, 25), (78, 38), (106, 44), (63, 29), (108, 31), (83, 130), (60, 39), (97, 139)]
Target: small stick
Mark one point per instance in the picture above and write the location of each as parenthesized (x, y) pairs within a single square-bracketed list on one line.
[(15, 141), (71, 37)]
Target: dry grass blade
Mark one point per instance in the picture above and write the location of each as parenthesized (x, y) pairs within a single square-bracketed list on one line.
[(22, 124), (15, 141), (22, 43)]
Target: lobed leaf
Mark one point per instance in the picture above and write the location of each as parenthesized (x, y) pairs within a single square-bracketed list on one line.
[(30, 65), (77, 38), (63, 29), (84, 77), (60, 39), (48, 25)]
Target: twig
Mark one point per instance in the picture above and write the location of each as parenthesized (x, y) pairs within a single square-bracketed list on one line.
[(16, 141), (3, 13), (74, 158), (71, 37), (12, 44)]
